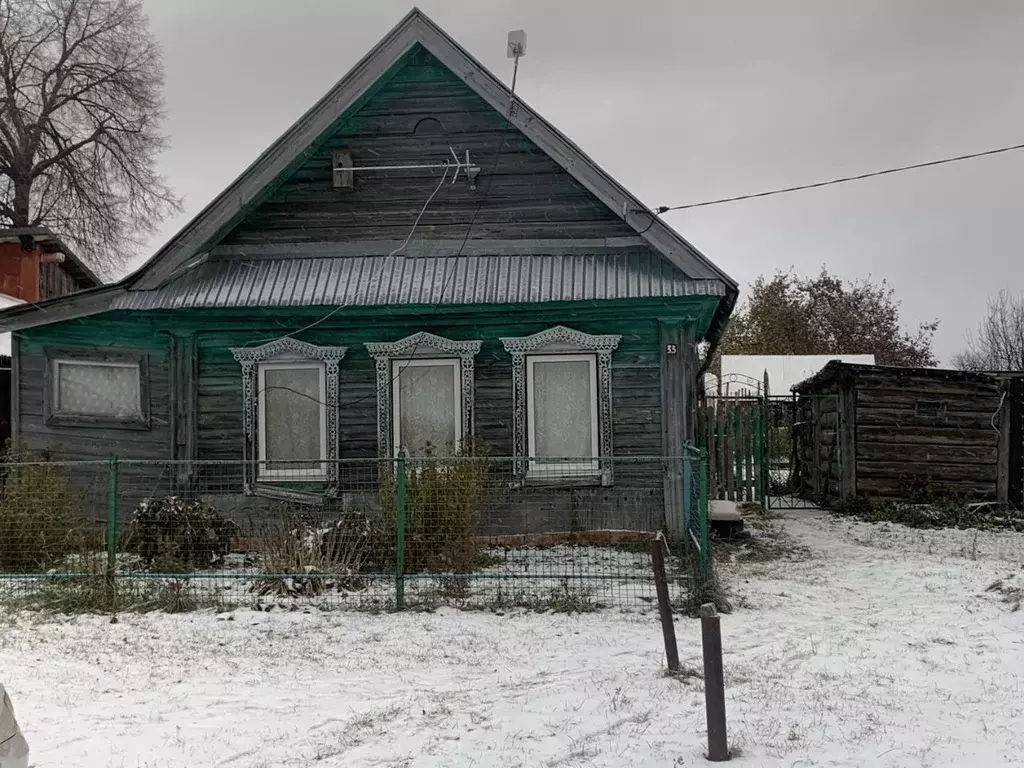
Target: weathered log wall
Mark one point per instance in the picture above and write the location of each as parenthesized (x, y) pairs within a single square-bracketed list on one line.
[(917, 431)]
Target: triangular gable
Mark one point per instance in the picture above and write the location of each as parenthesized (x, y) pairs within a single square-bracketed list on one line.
[(353, 89), (186, 248)]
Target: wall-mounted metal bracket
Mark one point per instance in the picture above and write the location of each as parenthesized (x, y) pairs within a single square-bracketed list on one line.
[(472, 171)]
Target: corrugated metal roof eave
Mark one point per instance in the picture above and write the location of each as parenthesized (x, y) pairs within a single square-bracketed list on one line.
[(383, 281)]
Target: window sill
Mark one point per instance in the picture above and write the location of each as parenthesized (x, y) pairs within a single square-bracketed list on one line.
[(292, 479), (546, 479), (96, 422), (266, 490)]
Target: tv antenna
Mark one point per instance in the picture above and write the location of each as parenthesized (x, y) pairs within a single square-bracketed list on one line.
[(516, 50), (344, 169)]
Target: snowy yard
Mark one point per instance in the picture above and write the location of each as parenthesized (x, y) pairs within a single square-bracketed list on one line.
[(879, 646)]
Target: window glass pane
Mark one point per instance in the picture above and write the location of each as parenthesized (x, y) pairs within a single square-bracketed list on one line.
[(98, 390), (426, 404), (562, 403), (292, 413)]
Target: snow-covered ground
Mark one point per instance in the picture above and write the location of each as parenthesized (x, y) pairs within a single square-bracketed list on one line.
[(877, 646)]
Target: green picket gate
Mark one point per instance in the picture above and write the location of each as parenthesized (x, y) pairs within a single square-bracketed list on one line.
[(731, 432), (781, 451)]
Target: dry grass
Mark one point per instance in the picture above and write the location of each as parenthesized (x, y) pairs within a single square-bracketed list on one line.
[(443, 499), (767, 541), (41, 519), (1012, 594), (98, 595), (305, 558)]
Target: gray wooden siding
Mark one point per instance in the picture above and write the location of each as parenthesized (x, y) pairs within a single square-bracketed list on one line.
[(76, 443), (521, 194), (896, 446), (821, 457), (636, 500), (636, 381)]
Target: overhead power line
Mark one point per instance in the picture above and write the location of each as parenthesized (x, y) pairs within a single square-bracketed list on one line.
[(842, 180)]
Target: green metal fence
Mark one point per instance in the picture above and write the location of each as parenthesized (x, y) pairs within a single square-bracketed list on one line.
[(698, 526), (476, 532), (781, 451)]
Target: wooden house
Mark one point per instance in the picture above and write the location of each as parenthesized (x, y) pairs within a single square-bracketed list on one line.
[(35, 264), (886, 432), (418, 224)]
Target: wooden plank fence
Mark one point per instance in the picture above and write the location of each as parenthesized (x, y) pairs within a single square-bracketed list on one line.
[(730, 428)]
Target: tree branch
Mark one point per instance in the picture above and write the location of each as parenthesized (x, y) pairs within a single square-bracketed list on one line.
[(80, 112)]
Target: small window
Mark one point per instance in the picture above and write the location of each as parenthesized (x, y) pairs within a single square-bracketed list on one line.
[(562, 420), (292, 420), (103, 389), (427, 406), (930, 410), (562, 405), (97, 389), (289, 414)]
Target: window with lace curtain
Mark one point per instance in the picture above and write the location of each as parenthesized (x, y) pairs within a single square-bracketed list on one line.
[(289, 413), (561, 407), (424, 393), (292, 420), (427, 406), (87, 387)]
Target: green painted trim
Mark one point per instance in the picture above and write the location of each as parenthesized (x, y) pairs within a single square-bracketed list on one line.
[(432, 314), (149, 329)]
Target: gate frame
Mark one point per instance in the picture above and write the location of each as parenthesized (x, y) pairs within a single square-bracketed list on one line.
[(747, 421), (794, 499)]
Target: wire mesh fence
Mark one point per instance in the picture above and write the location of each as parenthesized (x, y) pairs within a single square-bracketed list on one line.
[(698, 523), (475, 532)]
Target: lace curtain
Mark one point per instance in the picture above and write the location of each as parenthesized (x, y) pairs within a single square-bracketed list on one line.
[(562, 403), (98, 390), (426, 406), (292, 415)]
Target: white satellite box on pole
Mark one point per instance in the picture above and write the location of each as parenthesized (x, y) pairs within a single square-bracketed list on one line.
[(516, 43)]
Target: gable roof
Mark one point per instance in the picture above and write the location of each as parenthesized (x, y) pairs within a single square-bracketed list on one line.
[(839, 370), (185, 250)]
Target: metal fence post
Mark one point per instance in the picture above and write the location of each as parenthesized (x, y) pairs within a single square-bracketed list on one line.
[(714, 683), (668, 629), (687, 492), (759, 452), (400, 539), (112, 478), (702, 521)]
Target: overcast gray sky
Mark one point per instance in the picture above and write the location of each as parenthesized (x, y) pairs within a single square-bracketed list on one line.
[(683, 101)]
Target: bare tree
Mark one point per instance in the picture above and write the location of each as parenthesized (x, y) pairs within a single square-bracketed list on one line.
[(998, 344), (80, 116)]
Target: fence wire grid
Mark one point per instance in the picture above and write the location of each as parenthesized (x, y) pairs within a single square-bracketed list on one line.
[(472, 532)]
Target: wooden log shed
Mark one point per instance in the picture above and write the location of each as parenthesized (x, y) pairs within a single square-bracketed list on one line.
[(907, 429)]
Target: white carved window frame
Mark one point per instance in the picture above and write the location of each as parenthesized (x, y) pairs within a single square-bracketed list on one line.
[(421, 346), (283, 351), (561, 340)]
